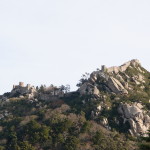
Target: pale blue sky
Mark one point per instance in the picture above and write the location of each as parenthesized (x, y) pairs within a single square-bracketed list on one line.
[(56, 41)]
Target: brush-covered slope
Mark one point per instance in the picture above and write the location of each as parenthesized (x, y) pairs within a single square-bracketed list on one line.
[(109, 111), (123, 93)]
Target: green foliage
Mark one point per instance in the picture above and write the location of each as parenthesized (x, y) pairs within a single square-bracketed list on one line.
[(71, 143), (59, 131), (13, 141), (26, 146), (2, 148), (62, 126), (97, 138), (86, 126), (145, 146), (131, 71), (73, 129)]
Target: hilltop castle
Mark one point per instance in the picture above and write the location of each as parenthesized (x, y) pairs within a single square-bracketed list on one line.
[(23, 90)]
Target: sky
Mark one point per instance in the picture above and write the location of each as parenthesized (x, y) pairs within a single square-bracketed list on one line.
[(56, 41)]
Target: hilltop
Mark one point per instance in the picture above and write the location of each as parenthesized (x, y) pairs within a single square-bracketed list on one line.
[(110, 110)]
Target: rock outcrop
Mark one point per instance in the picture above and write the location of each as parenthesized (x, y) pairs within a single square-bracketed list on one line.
[(116, 86), (100, 94), (111, 79), (123, 67), (137, 118), (89, 89), (128, 80)]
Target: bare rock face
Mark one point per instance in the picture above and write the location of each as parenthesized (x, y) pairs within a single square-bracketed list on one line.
[(139, 121), (88, 88), (113, 79), (96, 91), (123, 67), (105, 121), (127, 79), (111, 84), (116, 86)]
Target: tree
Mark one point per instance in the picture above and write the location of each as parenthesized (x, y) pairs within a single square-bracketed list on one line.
[(84, 78), (13, 141), (85, 127), (67, 88), (98, 137), (62, 88), (146, 144), (26, 146), (37, 88), (71, 143), (44, 133), (33, 130), (41, 89)]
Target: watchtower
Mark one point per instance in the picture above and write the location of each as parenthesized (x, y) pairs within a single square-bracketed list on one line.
[(21, 84)]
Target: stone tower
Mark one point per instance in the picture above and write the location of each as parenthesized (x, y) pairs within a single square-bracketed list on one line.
[(21, 84)]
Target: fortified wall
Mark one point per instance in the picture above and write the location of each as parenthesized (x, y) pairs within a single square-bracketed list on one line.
[(22, 89), (121, 68)]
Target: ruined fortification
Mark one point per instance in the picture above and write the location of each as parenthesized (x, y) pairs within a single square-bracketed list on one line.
[(21, 89), (121, 68)]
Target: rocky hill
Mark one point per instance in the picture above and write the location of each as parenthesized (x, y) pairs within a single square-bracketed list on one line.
[(109, 111), (118, 80), (129, 85)]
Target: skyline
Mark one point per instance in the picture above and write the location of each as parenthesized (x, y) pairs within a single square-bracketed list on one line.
[(25, 84), (55, 42)]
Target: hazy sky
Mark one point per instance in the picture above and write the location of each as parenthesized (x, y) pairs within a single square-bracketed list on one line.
[(56, 41)]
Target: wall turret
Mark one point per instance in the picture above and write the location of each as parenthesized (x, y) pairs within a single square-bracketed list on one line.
[(21, 84)]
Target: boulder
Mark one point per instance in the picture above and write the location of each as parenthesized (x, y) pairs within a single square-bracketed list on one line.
[(116, 86), (135, 115), (104, 121), (96, 91), (88, 89)]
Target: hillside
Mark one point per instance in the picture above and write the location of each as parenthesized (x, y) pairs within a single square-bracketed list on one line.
[(109, 111)]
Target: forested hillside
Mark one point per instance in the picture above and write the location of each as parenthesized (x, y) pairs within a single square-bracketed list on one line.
[(109, 111)]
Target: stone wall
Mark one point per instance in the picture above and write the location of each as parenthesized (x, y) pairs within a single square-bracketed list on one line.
[(123, 67)]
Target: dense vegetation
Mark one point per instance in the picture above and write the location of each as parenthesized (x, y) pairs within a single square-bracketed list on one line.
[(41, 125), (73, 122)]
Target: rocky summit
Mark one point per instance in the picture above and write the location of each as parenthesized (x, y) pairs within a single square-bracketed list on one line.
[(129, 81), (109, 111), (114, 79)]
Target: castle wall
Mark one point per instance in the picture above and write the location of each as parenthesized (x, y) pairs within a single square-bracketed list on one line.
[(21, 84)]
